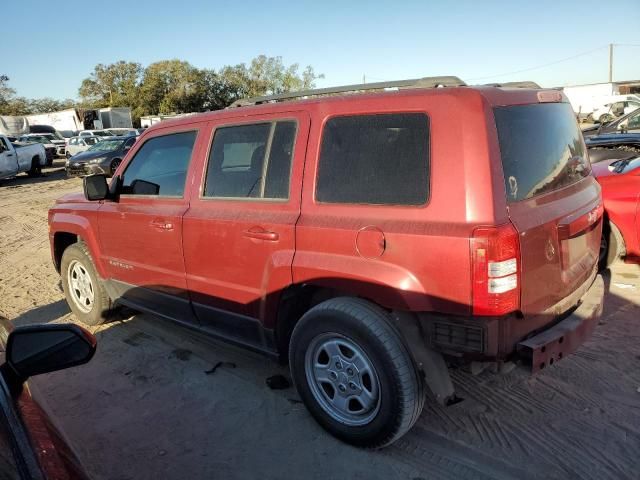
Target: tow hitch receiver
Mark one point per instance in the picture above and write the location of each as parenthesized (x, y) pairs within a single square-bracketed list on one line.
[(557, 342)]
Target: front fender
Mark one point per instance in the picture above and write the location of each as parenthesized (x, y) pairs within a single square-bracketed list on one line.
[(84, 227)]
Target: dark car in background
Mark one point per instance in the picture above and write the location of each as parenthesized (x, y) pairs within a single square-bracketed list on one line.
[(627, 123), (103, 157), (31, 447)]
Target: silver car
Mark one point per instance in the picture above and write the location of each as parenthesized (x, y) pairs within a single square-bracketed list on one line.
[(80, 144)]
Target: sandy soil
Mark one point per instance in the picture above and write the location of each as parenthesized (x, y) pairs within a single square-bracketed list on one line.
[(145, 408)]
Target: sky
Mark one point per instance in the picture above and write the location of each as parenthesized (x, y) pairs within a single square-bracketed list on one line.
[(47, 48)]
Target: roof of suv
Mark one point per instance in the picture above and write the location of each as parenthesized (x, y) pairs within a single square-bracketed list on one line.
[(505, 94)]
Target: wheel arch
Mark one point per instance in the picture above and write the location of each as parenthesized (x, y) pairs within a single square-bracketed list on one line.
[(297, 299), (70, 229)]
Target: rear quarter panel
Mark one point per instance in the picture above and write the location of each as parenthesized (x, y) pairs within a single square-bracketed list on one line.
[(425, 265)]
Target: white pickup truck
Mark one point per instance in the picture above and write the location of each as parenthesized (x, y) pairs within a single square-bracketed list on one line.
[(16, 158)]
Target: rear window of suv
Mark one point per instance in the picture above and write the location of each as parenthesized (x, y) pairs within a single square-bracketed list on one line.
[(542, 149), (375, 159)]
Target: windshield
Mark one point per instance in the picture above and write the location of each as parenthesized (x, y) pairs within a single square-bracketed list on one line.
[(91, 140), (102, 134), (106, 146), (542, 148), (37, 139)]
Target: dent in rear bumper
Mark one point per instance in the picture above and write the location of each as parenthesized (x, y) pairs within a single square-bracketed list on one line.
[(565, 337)]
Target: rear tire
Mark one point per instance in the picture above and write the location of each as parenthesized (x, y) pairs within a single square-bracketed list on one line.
[(354, 372), (82, 287), (612, 246), (35, 170)]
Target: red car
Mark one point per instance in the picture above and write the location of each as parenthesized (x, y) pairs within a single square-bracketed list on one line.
[(373, 239), (620, 182)]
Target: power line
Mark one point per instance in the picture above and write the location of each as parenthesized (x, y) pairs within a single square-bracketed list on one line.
[(540, 66)]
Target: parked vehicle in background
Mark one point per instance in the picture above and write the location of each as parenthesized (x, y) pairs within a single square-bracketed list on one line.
[(629, 123), (55, 139), (81, 144), (31, 447), (620, 182), (610, 111), (16, 158), (102, 157), (95, 133), (337, 232), (613, 146), (49, 147), (123, 132)]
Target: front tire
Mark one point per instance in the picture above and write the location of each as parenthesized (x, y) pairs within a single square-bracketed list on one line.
[(354, 372), (83, 290), (114, 166)]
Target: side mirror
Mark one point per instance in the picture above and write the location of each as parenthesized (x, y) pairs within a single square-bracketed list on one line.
[(95, 187), (36, 349), (142, 187)]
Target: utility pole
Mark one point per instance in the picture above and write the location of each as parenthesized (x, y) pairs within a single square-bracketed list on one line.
[(364, 79), (610, 62)]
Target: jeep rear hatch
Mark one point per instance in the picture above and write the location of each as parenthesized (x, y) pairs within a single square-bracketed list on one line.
[(553, 202)]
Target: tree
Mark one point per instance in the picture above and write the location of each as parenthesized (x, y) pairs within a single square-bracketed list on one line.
[(112, 85), (6, 93), (172, 86)]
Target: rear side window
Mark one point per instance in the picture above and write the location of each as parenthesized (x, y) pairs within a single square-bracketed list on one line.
[(251, 161), (375, 159), (542, 149), (160, 166)]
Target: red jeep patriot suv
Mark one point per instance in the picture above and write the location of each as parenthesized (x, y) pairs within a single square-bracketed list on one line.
[(372, 239)]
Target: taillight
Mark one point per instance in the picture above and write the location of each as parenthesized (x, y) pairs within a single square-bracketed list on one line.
[(495, 257)]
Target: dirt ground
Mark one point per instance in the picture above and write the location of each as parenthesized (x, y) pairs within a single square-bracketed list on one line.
[(145, 407)]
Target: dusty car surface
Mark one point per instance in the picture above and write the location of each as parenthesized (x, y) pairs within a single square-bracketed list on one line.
[(620, 181), (337, 232)]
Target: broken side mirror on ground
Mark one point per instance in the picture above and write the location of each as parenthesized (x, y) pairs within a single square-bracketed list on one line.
[(95, 187), (37, 349)]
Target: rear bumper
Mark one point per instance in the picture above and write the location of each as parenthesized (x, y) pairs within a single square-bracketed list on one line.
[(565, 337)]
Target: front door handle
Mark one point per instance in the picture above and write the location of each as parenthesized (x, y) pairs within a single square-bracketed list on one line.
[(162, 225), (260, 233)]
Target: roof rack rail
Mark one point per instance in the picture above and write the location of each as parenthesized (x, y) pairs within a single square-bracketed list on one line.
[(523, 84), (426, 82)]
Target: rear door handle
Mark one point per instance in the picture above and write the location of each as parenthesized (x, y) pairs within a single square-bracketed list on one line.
[(162, 225), (260, 233)]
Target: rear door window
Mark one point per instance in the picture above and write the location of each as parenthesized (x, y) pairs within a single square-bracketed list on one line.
[(251, 161), (378, 159), (160, 166), (542, 149)]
